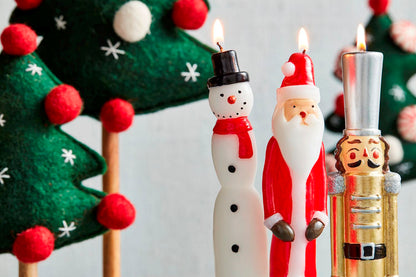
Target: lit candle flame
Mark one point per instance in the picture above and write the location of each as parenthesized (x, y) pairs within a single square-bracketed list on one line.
[(303, 43), (361, 38), (218, 33)]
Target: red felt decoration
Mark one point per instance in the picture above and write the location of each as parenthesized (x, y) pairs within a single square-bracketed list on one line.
[(117, 115), (116, 212), (18, 40), (28, 4), (34, 245), (339, 105), (63, 104), (189, 14), (379, 7)]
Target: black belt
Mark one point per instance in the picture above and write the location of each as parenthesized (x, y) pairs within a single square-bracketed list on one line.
[(364, 251)]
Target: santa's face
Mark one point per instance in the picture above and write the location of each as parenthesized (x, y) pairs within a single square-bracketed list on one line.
[(300, 107), (298, 127), (231, 101), (362, 155)]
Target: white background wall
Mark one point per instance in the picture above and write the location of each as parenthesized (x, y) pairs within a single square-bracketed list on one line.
[(166, 167)]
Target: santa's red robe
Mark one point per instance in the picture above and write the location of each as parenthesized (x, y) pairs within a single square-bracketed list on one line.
[(277, 198)]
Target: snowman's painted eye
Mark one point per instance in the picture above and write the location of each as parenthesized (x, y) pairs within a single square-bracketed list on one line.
[(239, 91), (313, 106), (222, 94), (132, 21), (294, 106)]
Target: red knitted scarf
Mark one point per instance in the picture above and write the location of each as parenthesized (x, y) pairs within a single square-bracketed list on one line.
[(240, 127)]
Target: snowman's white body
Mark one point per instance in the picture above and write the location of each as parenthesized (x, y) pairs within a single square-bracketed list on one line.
[(240, 241)]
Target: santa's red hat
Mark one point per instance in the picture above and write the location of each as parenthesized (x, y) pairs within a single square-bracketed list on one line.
[(299, 81)]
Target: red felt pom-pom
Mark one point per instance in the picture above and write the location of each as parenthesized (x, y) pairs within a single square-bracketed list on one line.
[(28, 4), (18, 40), (116, 212), (34, 245), (63, 104), (189, 14), (339, 105), (379, 7), (117, 115)]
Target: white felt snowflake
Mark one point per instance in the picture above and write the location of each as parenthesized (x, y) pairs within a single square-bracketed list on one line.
[(405, 167), (60, 23), (3, 175), (397, 93), (113, 49), (69, 157), (34, 69), (192, 74), (66, 229), (2, 120), (39, 40)]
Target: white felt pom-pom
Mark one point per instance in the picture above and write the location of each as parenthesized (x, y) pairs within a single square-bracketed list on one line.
[(288, 69), (406, 123), (403, 34), (396, 152), (132, 21)]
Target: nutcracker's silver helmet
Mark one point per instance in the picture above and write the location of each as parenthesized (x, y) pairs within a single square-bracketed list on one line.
[(362, 150)]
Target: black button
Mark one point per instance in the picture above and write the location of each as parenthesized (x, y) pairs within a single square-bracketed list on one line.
[(235, 248), (231, 168), (234, 208)]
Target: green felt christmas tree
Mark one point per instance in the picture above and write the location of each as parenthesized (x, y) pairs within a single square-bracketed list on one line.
[(397, 41), (42, 201), (133, 50)]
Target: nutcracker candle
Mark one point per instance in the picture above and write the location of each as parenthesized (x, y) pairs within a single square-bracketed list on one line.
[(240, 242), (294, 178), (363, 192)]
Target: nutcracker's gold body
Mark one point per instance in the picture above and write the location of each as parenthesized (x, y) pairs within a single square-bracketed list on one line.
[(363, 213)]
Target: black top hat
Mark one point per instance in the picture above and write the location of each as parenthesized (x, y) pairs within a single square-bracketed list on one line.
[(226, 69)]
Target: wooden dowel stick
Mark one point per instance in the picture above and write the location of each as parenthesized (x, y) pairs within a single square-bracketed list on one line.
[(111, 184), (28, 270)]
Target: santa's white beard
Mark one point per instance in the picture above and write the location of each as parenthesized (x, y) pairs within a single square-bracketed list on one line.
[(300, 144)]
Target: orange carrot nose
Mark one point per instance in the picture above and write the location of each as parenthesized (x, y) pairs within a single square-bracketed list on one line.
[(365, 152), (231, 99), (303, 114)]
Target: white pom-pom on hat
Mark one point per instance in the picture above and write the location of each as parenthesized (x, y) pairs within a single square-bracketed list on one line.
[(396, 152), (288, 69), (132, 21)]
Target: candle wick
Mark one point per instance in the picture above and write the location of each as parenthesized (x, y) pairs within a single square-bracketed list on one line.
[(304, 51), (219, 45)]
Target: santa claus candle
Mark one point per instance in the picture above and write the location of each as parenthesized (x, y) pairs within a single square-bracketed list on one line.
[(294, 178), (240, 241)]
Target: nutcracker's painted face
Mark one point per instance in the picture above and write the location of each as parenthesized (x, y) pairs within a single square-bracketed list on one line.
[(362, 155), (231, 101), (302, 108)]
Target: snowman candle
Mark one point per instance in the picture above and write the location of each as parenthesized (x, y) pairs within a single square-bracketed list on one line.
[(294, 177), (240, 241)]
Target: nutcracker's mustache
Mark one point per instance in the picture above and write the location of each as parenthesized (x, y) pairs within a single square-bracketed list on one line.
[(356, 164), (371, 164)]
